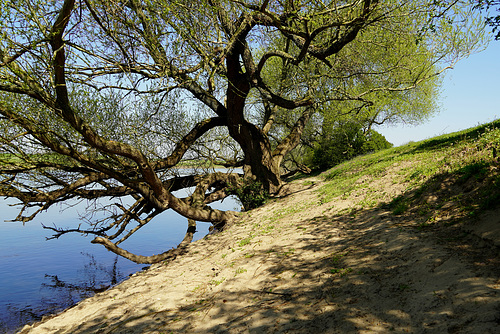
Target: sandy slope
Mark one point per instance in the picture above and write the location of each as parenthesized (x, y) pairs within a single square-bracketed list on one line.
[(301, 266)]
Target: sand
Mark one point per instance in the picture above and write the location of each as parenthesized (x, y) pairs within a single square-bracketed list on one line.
[(298, 265)]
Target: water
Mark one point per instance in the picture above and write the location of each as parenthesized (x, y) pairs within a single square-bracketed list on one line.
[(39, 276)]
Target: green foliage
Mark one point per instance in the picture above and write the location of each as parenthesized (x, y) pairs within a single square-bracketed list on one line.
[(250, 193), (491, 195), (115, 95), (375, 142), (466, 160), (486, 135), (345, 142), (492, 20), (478, 170), (399, 205)]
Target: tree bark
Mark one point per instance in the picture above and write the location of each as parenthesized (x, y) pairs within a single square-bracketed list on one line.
[(170, 254)]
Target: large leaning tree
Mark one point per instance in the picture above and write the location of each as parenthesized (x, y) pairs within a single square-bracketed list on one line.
[(107, 99)]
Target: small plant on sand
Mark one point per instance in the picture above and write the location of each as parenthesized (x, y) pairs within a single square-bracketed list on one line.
[(341, 271), (337, 257), (336, 261), (217, 282), (245, 241), (240, 271)]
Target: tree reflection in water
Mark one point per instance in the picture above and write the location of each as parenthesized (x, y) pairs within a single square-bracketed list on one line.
[(94, 277), (58, 294)]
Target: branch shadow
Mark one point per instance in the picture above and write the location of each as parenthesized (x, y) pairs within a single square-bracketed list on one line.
[(366, 272)]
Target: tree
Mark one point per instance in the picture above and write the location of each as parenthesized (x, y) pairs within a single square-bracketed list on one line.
[(345, 141), (492, 20), (107, 98)]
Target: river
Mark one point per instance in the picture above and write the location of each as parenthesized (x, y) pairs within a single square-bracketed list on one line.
[(39, 276)]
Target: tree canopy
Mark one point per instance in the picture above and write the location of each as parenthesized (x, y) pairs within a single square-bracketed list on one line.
[(491, 19), (108, 98)]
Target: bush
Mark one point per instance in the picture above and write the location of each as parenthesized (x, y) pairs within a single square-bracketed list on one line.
[(250, 193), (345, 142)]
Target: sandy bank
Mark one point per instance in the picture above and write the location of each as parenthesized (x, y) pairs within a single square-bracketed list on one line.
[(301, 266)]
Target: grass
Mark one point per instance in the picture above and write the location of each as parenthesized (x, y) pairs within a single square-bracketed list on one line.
[(348, 177), (462, 167), (217, 282), (399, 205), (239, 271), (336, 261), (284, 212), (245, 241)]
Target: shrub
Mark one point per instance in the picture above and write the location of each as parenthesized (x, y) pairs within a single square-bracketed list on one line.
[(345, 142), (250, 193)]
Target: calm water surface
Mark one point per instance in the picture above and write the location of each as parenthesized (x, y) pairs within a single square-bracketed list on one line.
[(39, 276)]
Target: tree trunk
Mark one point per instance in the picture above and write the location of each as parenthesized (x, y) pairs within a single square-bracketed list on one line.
[(259, 163)]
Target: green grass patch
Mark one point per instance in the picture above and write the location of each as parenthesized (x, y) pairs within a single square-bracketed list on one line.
[(461, 167), (399, 205), (245, 241)]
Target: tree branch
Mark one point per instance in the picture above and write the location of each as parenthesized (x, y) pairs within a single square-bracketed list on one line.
[(168, 255)]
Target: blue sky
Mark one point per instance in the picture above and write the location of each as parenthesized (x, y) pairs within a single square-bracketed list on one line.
[(470, 96)]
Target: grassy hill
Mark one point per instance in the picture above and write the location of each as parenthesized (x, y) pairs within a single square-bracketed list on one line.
[(444, 179), (405, 240)]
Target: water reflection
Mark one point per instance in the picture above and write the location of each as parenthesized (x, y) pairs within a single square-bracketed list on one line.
[(57, 294), (95, 277)]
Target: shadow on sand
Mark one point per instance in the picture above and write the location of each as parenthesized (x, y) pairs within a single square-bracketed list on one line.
[(365, 272)]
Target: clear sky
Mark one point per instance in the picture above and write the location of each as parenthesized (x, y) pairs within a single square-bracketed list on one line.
[(470, 96)]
